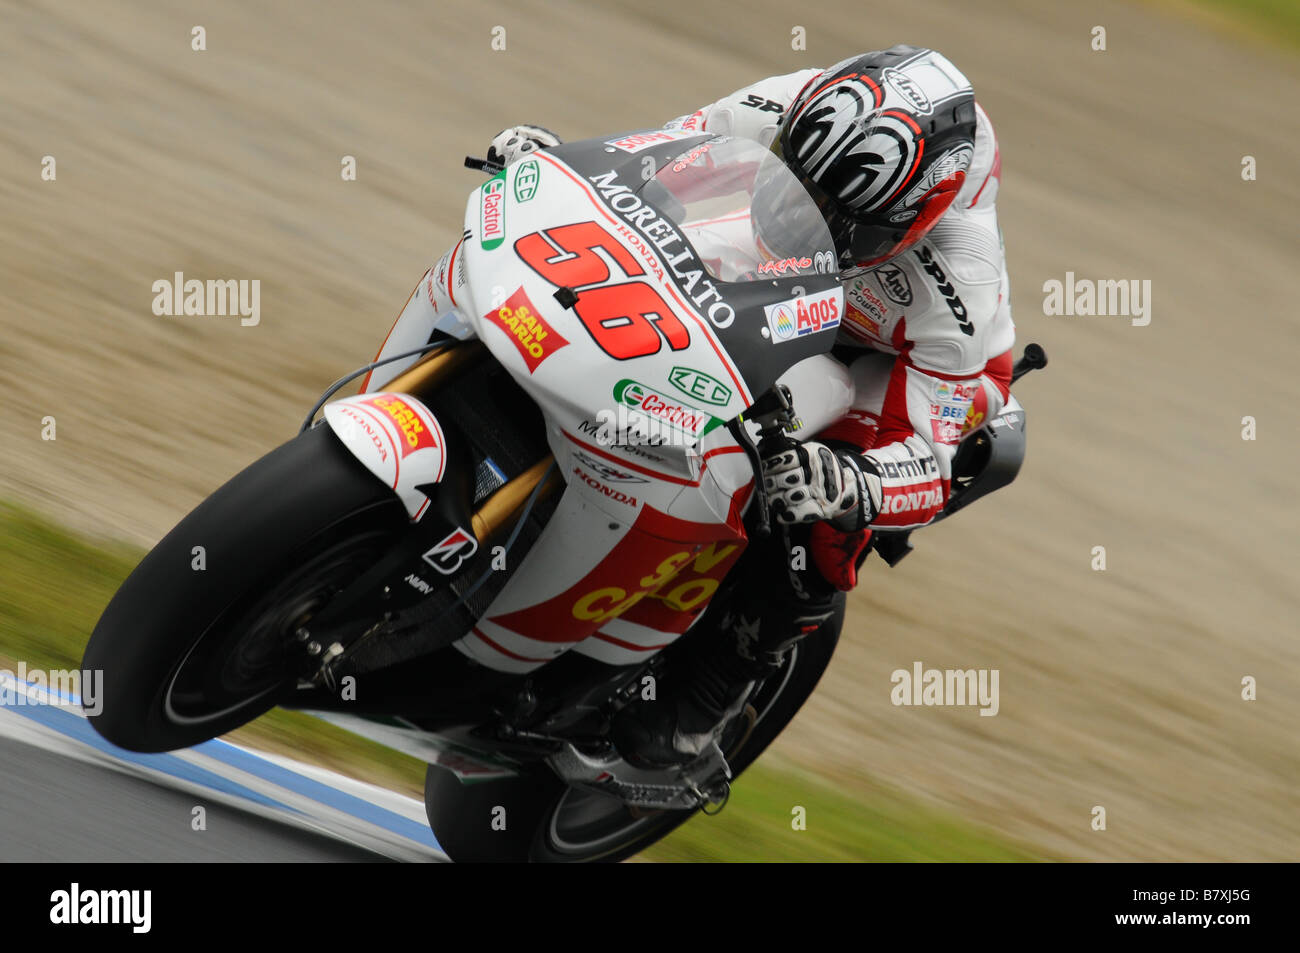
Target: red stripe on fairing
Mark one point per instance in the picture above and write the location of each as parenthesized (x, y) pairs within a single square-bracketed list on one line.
[(717, 451), (366, 382), (451, 264), (505, 651), (669, 477), (629, 645), (598, 204), (739, 500)]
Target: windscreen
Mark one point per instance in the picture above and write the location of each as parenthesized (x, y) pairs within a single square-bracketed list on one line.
[(744, 211)]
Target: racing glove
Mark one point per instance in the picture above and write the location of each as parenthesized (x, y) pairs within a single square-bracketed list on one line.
[(517, 141), (812, 482)]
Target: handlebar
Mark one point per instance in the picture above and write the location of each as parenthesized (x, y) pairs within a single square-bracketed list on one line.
[(1032, 359)]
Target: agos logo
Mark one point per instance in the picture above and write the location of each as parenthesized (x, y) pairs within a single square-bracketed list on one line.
[(816, 315), (783, 323), (806, 314), (956, 390)]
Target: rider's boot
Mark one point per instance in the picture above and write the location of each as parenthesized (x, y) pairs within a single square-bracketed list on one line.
[(710, 679)]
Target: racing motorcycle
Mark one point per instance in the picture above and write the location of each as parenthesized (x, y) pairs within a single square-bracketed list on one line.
[(506, 535)]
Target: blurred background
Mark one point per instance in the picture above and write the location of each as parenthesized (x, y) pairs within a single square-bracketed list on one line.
[(1120, 688)]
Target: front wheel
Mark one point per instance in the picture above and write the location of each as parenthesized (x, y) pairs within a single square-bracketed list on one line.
[(545, 820), (202, 636)]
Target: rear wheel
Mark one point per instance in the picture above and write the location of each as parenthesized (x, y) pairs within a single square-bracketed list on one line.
[(557, 823), (203, 635)]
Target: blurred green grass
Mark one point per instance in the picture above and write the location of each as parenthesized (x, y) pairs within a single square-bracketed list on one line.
[(54, 585), (864, 822)]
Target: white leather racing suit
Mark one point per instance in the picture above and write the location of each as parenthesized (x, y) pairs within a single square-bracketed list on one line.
[(933, 326), (934, 323)]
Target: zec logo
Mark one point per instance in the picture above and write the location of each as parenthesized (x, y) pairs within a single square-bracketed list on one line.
[(700, 385), (526, 178)]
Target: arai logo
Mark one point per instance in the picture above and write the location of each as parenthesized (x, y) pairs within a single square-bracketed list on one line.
[(906, 87), (491, 212), (527, 175)]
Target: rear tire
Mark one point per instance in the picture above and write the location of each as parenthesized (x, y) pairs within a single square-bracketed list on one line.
[(190, 653), (548, 821)]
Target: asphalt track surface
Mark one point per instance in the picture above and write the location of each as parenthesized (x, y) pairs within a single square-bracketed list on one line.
[(1119, 688), (68, 795), (60, 809)]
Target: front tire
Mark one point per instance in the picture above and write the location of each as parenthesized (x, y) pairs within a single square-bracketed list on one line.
[(197, 642)]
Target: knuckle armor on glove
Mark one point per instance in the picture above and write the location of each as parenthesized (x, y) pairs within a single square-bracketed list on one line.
[(812, 482), (517, 141)]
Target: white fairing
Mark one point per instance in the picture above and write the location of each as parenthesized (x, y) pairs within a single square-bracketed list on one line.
[(651, 520), (397, 438)]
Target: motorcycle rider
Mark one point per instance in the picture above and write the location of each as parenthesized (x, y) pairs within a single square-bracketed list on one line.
[(904, 165)]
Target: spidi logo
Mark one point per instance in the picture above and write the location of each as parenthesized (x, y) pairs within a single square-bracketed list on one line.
[(491, 212)]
